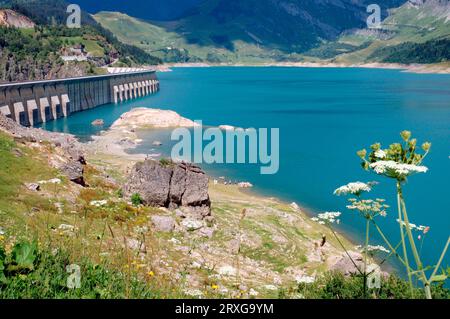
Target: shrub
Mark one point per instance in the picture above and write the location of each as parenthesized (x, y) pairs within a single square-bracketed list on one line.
[(136, 199)]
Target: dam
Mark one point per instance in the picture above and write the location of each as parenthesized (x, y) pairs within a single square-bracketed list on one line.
[(34, 102)]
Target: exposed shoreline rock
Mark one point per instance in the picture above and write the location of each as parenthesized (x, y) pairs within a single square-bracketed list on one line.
[(151, 118), (70, 153), (171, 186)]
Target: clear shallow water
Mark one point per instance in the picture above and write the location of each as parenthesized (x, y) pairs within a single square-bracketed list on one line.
[(324, 116)]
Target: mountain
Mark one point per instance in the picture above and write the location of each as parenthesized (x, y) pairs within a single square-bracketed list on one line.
[(242, 31), (407, 35), (10, 18), (143, 9), (35, 43)]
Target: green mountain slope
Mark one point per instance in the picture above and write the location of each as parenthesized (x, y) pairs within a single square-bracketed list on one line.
[(37, 53), (234, 35), (410, 27)]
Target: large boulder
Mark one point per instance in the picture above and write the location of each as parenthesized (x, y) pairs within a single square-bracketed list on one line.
[(74, 170), (346, 266), (163, 223), (171, 186), (151, 181)]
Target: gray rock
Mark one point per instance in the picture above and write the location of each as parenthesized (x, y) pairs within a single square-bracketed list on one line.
[(196, 193), (34, 187), (98, 122), (171, 186), (151, 181), (177, 185), (345, 265), (74, 171), (207, 232), (163, 223), (179, 213)]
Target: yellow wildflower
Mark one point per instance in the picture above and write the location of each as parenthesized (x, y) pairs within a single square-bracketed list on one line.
[(150, 273), (214, 286)]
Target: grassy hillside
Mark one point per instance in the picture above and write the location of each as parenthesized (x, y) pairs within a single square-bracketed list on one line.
[(405, 27), (158, 40), (195, 38), (35, 53)]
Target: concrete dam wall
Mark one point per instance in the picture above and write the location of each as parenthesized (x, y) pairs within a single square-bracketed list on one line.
[(34, 102)]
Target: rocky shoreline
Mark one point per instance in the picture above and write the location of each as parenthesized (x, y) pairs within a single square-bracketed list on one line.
[(411, 68), (224, 222)]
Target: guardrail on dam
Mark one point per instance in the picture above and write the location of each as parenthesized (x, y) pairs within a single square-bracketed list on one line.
[(34, 102)]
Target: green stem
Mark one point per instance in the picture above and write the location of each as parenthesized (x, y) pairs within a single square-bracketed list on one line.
[(415, 252), (402, 235), (365, 255), (392, 248), (348, 255), (440, 259)]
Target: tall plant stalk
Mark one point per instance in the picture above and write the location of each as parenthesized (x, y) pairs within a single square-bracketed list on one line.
[(402, 237), (412, 243)]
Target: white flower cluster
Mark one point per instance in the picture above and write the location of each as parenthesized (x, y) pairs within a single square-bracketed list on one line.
[(355, 188), (380, 154), (305, 279), (421, 228), (327, 217), (397, 169), (141, 229), (378, 248), (98, 203)]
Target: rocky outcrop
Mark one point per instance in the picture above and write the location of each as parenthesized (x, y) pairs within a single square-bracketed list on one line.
[(154, 118), (170, 186), (69, 155), (347, 266), (10, 18)]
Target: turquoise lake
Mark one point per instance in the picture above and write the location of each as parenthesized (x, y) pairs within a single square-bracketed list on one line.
[(324, 117)]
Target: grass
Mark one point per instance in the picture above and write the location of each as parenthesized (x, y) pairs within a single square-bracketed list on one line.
[(91, 46)]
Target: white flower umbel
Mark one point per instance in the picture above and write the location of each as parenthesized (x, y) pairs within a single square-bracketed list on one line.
[(378, 248), (414, 226), (355, 188), (305, 279), (380, 154), (394, 169), (327, 217)]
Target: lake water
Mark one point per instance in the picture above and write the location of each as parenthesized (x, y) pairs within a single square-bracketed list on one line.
[(324, 117)]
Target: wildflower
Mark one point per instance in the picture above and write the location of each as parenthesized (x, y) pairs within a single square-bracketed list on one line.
[(253, 292), (227, 271), (305, 279), (2, 238), (377, 248), (380, 154), (141, 229), (193, 292), (98, 203), (51, 181), (355, 188), (327, 217), (151, 274), (214, 286), (270, 287), (420, 228), (397, 170)]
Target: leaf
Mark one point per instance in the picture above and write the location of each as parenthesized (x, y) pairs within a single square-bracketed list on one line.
[(24, 254), (439, 278), (2, 274)]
